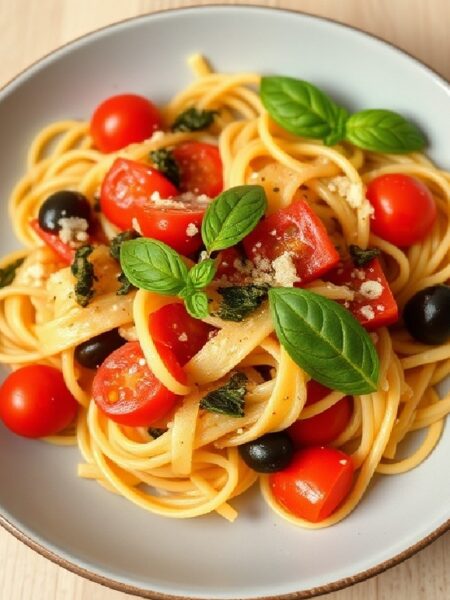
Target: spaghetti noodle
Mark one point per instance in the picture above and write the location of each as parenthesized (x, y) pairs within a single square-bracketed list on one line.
[(194, 467)]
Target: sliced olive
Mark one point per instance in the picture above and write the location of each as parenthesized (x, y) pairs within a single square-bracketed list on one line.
[(92, 353), (63, 205), (270, 453), (427, 315)]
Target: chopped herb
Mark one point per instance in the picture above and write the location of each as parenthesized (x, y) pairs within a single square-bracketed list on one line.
[(156, 432), (165, 163), (193, 119), (8, 273), (361, 257), (228, 399), (83, 271), (125, 284), (240, 300)]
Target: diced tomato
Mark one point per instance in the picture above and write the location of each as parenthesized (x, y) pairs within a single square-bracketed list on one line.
[(200, 168), (128, 392), (126, 200), (374, 304), (173, 327), (52, 240), (325, 427), (315, 483), (298, 231)]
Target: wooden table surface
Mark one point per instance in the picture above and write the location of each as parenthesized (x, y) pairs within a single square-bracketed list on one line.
[(31, 28)]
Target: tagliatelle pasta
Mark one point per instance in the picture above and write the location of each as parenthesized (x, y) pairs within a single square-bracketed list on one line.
[(194, 466)]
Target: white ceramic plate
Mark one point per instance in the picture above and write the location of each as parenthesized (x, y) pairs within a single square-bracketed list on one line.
[(76, 522)]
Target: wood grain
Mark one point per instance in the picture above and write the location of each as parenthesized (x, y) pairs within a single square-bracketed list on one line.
[(30, 29)]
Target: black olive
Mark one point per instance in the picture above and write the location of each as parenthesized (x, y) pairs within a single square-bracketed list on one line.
[(269, 453), (92, 353), (427, 315), (63, 205)]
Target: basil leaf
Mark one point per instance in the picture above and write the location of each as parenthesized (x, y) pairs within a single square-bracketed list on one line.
[(83, 271), (153, 266), (165, 162), (240, 300), (232, 216), (125, 285), (196, 304), (202, 274), (325, 340), (361, 257), (303, 109), (194, 119), (228, 399), (383, 131), (8, 272)]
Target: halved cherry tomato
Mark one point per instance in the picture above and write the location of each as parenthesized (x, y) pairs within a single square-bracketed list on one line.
[(122, 120), (52, 240), (127, 391), (35, 402), (173, 327), (315, 483), (325, 427), (126, 200), (297, 230), (367, 281), (405, 210), (200, 168)]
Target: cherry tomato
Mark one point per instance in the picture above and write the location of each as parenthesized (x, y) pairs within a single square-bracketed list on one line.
[(122, 120), (126, 200), (52, 240), (405, 210), (295, 229), (200, 168), (367, 281), (225, 266), (315, 483), (127, 391), (35, 401), (325, 427), (173, 327)]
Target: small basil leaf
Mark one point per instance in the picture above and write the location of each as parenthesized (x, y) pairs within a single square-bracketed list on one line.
[(202, 274), (325, 340), (228, 399), (165, 162), (196, 304), (232, 216), (303, 109), (383, 131), (361, 257), (8, 272), (194, 119), (153, 266)]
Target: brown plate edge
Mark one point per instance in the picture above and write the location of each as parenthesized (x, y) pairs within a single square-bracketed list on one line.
[(149, 594)]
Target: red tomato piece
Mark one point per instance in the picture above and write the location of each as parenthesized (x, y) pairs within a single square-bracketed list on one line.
[(64, 251), (325, 427), (371, 310), (122, 120), (35, 402), (298, 230), (225, 266), (127, 391), (126, 200), (200, 168), (173, 327), (315, 483), (405, 210)]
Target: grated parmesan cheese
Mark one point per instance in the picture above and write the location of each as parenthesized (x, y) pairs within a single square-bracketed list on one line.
[(285, 271), (371, 289), (191, 230), (165, 202), (73, 231), (183, 337), (157, 135), (367, 312), (135, 225)]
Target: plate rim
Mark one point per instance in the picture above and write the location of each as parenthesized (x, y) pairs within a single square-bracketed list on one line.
[(127, 588)]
